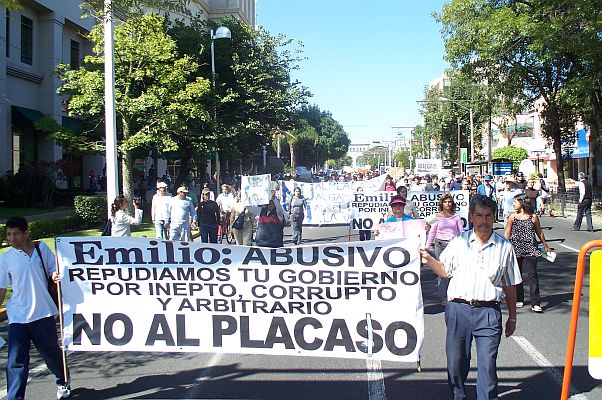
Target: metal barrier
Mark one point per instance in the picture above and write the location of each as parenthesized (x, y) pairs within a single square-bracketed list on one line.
[(570, 348)]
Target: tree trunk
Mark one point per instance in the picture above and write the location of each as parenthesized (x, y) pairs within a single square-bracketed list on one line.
[(182, 177), (127, 174), (292, 147), (552, 126), (595, 144)]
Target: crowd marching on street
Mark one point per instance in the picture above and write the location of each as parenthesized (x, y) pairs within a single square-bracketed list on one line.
[(472, 299)]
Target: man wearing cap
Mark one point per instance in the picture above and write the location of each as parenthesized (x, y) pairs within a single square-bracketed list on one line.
[(208, 216), (398, 204), (585, 204), (159, 211), (483, 271), (508, 196), (456, 184), (521, 181), (181, 212), (486, 188)]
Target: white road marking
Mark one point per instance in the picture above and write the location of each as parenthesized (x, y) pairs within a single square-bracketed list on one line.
[(542, 361), (33, 373), (376, 380), (568, 247)]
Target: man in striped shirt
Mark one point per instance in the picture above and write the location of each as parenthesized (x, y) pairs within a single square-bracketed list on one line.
[(483, 271)]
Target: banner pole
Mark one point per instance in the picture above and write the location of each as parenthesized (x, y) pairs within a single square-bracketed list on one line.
[(61, 320)]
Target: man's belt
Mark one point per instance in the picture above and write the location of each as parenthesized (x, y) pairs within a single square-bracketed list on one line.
[(478, 303)]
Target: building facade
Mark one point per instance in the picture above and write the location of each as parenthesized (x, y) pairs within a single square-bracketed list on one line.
[(38, 37)]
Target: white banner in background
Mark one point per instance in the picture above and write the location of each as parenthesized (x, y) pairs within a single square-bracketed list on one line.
[(138, 294), (328, 202), (427, 203), (256, 190), (428, 166)]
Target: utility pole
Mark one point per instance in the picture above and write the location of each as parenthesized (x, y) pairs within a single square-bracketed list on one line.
[(459, 156)]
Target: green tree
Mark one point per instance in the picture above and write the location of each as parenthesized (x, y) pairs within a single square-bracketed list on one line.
[(511, 153), (513, 46), (374, 156), (157, 97)]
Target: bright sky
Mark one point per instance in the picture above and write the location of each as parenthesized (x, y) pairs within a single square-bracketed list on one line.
[(367, 61)]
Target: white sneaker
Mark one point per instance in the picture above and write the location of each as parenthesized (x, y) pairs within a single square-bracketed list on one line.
[(63, 391), (519, 304)]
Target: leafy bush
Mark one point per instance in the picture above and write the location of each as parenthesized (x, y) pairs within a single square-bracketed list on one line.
[(91, 208), (49, 228)]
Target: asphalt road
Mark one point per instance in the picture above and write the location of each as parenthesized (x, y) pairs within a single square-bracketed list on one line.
[(530, 363)]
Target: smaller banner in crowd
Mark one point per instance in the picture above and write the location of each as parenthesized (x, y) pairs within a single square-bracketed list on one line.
[(138, 294), (256, 189), (427, 203), (370, 209), (328, 202), (415, 228), (428, 166)]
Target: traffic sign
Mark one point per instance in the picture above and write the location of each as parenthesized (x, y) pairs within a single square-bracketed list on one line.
[(464, 155), (595, 316)]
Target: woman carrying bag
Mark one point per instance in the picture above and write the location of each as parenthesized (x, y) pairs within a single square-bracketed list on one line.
[(296, 214), (241, 222), (521, 229)]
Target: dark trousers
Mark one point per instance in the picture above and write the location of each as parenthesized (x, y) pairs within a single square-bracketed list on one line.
[(585, 207), (208, 233), (530, 264), (464, 323), (297, 227), (20, 336), (365, 234)]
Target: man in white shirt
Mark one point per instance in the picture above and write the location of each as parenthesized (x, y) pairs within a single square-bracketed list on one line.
[(508, 196), (27, 266), (181, 213), (159, 210), (483, 270)]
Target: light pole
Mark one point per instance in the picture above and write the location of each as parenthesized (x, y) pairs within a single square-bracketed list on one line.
[(221, 33), (459, 103), (110, 115)]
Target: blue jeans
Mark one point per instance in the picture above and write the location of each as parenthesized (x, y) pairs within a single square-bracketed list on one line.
[(208, 233), (464, 323), (20, 336), (161, 232)]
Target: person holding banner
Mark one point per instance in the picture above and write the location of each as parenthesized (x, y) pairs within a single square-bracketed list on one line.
[(121, 222), (398, 205), (447, 225), (410, 207), (296, 214), (26, 267), (483, 271)]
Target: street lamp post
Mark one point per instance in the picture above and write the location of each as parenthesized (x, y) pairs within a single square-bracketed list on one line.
[(110, 115), (459, 152), (458, 102), (221, 33)]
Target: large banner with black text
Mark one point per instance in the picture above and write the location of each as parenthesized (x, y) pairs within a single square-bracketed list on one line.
[(343, 300)]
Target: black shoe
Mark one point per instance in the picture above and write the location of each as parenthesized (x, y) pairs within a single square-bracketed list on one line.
[(590, 230)]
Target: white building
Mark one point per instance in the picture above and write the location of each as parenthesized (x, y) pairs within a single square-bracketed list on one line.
[(38, 37)]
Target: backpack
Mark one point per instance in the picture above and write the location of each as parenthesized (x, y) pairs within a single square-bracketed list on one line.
[(239, 222)]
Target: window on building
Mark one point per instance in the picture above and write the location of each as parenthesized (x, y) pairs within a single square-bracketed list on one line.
[(7, 33), (26, 40), (74, 55)]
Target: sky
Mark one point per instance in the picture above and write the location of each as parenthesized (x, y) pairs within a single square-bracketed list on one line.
[(368, 61)]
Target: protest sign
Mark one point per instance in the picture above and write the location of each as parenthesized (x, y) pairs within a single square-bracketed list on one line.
[(328, 202), (255, 189), (414, 228), (137, 294), (427, 203), (428, 166), (369, 209)]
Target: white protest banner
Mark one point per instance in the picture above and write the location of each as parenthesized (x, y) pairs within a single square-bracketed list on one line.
[(369, 209), (414, 228), (427, 203), (328, 202), (428, 166), (138, 294), (256, 189)]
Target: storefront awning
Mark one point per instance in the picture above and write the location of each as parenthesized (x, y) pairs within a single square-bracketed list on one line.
[(22, 116)]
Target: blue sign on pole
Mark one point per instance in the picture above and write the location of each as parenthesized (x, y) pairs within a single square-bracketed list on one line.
[(502, 168)]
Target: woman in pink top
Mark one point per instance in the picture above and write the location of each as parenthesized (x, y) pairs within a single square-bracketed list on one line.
[(448, 225)]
